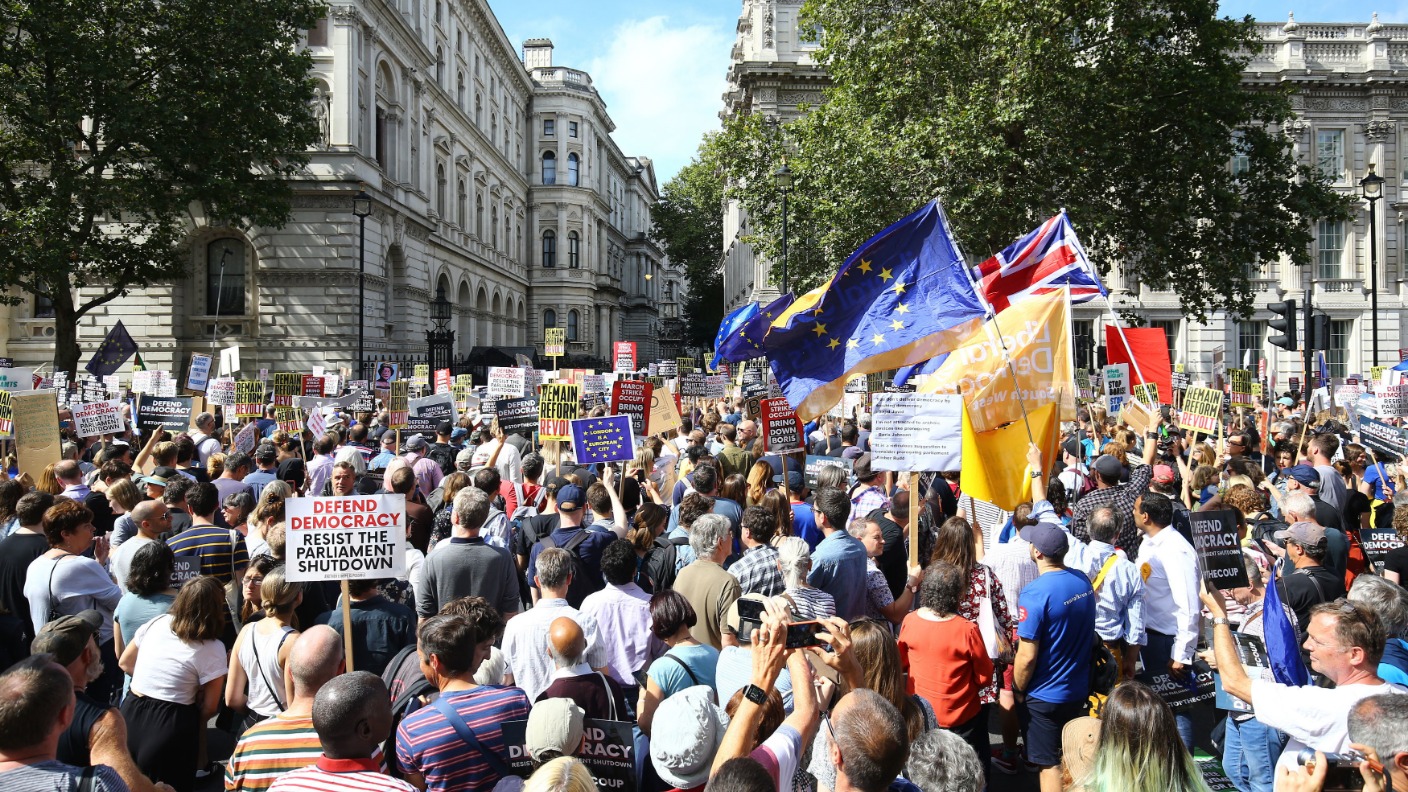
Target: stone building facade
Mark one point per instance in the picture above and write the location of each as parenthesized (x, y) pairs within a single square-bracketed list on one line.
[(1352, 111), (427, 104)]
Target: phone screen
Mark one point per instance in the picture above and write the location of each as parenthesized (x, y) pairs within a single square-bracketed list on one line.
[(803, 634)]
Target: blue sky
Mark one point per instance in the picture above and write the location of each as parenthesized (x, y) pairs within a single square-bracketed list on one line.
[(661, 65)]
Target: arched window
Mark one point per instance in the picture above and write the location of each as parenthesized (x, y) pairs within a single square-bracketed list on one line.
[(571, 325), (549, 318), (508, 238), (440, 189), (574, 250), (549, 168), (224, 277), (439, 12), (493, 127), (549, 249), (572, 163), (462, 198)]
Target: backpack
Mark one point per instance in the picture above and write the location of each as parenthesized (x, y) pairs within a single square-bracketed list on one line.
[(582, 577), (660, 563), (1082, 485), (525, 511), (442, 455), (407, 685)]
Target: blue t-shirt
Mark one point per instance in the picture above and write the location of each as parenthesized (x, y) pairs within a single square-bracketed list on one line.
[(1373, 479), (804, 524), (671, 676), (1058, 611)]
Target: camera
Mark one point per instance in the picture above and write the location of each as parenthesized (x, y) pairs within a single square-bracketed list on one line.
[(1342, 772)]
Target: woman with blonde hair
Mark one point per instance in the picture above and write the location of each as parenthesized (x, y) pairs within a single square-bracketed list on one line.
[(563, 774), (123, 497), (256, 674), (267, 512), (794, 558), (1138, 749), (759, 482), (48, 482), (215, 466)]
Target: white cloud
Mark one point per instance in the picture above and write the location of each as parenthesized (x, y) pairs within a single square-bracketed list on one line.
[(663, 85)]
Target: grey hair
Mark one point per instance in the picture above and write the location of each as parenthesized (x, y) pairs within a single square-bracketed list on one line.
[(863, 421), (1299, 503), (832, 476), (554, 566), (940, 761), (562, 659), (204, 418), (1400, 499), (795, 558), (857, 528), (1103, 525), (1381, 722), (1386, 600), (707, 532), (472, 507)]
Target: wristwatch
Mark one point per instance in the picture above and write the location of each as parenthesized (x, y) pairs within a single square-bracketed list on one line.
[(755, 694), (1036, 474), (1219, 620)]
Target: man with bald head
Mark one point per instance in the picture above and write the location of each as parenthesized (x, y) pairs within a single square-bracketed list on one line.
[(596, 693), (289, 741), (352, 714), (151, 520)]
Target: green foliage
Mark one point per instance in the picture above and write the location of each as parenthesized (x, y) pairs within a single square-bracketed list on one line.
[(1123, 112), (141, 110), (688, 224)]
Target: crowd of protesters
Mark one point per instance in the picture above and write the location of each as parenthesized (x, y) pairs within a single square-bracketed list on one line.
[(752, 624)]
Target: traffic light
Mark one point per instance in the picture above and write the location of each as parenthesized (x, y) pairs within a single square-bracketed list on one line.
[(1285, 324), (1317, 335)]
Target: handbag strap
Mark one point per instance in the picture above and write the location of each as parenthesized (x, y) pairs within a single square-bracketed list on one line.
[(466, 736), (610, 695), (692, 677), (263, 672)]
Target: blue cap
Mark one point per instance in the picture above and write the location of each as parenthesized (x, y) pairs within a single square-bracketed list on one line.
[(1048, 538), (1305, 474), (570, 498)]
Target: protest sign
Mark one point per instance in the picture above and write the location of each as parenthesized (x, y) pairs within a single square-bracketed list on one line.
[(606, 439), (816, 463), (247, 438), (557, 407), (443, 381), (594, 383), (199, 374), (665, 412), (7, 362), (426, 414), (1378, 541), (1241, 381), (353, 538), (665, 368), (1385, 441), (685, 365), (692, 385), (290, 419), (1393, 401), (398, 404), (517, 416), (1179, 693), (98, 418), (16, 379), (715, 386), (7, 415), (782, 432), (607, 750), (221, 392), (286, 386), (1147, 393), (229, 361), (420, 375), (506, 383), (184, 569), (1116, 379), (170, 413), (554, 341), (1137, 416), (36, 429), (249, 399), (309, 385), (633, 398), (1252, 652), (623, 354), (1215, 540), (916, 431), (1202, 409)]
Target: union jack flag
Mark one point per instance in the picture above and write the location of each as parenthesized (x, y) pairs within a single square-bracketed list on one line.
[(1044, 260)]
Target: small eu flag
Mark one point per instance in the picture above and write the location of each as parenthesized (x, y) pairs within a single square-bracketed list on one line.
[(746, 342), (113, 352), (730, 326), (606, 439), (904, 297)]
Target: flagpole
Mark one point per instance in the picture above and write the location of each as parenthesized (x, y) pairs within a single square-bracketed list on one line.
[(219, 292), (1119, 330)]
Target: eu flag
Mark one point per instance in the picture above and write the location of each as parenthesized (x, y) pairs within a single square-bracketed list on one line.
[(113, 352), (1282, 643), (904, 297), (729, 326), (747, 342), (606, 439)]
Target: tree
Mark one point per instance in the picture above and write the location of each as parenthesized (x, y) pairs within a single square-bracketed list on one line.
[(688, 224), (119, 118), (1126, 113)]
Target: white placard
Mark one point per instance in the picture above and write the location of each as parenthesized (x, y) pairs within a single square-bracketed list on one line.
[(229, 361), (506, 383), (353, 538), (98, 418), (1393, 401), (199, 377), (1116, 381), (16, 379), (221, 392), (916, 431)]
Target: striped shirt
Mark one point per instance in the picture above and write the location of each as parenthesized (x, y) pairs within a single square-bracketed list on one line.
[(810, 604), (428, 746), (272, 748), (339, 775), (219, 553)]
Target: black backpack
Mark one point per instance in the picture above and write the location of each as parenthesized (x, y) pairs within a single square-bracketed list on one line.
[(442, 455), (407, 685), (582, 578), (1264, 528), (662, 562)]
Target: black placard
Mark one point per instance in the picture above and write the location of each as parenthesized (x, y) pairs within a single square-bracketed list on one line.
[(607, 749), (1215, 539), (1378, 541), (172, 413), (517, 416)]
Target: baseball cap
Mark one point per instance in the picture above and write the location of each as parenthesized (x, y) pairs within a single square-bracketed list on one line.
[(67, 636), (570, 498), (554, 724), (1108, 466), (1303, 533), (1163, 474), (1286, 401), (416, 443), (1073, 448), (1304, 474), (1048, 538), (464, 460), (795, 480), (458, 433), (444, 428)]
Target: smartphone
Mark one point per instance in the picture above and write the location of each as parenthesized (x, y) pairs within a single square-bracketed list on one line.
[(750, 610), (804, 634)]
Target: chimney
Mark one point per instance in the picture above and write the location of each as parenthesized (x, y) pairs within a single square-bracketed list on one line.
[(537, 53)]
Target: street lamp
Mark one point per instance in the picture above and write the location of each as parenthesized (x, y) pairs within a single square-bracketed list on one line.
[(442, 339), (1371, 188), (783, 180), (361, 207)]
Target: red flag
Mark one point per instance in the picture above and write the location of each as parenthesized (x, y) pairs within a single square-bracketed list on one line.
[(1150, 351)]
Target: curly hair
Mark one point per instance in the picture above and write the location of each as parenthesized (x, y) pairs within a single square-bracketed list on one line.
[(65, 516), (1245, 499)]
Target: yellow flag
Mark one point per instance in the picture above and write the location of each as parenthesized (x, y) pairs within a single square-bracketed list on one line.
[(1037, 332), (995, 462)]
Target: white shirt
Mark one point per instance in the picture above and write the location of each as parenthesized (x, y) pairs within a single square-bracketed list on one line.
[(509, 463), (1313, 717), (170, 669), (526, 644), (1171, 572), (122, 557)]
